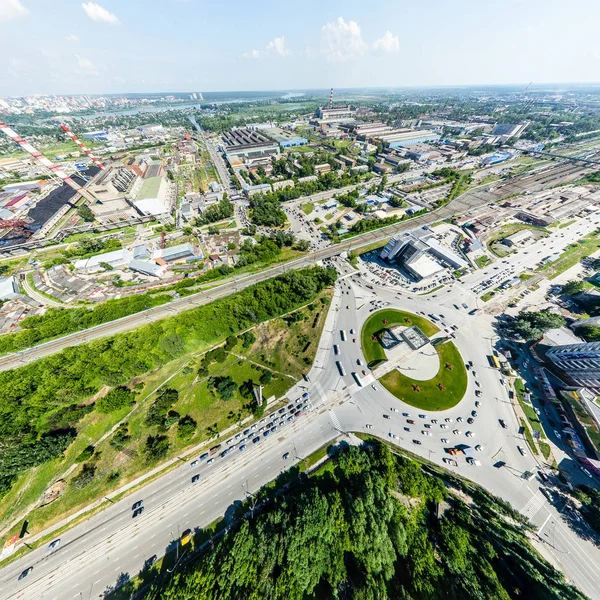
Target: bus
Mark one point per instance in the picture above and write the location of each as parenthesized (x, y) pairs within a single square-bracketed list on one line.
[(343, 335), (494, 361), (340, 367), (356, 378)]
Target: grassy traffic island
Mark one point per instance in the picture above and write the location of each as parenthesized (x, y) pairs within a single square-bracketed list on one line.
[(443, 391)]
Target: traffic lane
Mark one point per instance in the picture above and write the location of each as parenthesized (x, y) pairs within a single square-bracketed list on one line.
[(151, 526)]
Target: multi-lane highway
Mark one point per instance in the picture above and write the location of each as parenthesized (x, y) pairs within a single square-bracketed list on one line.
[(465, 204), (92, 555)]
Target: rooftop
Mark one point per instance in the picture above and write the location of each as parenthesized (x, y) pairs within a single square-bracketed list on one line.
[(149, 188)]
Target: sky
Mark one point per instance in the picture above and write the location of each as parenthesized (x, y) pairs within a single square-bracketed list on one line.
[(124, 46)]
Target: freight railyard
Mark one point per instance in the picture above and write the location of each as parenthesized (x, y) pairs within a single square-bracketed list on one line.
[(457, 320)]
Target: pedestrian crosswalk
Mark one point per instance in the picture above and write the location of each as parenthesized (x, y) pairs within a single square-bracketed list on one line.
[(318, 395), (532, 507), (335, 421)]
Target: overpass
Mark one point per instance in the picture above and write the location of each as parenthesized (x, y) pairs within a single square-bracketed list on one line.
[(562, 157)]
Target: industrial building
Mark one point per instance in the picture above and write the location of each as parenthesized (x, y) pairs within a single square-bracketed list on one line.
[(398, 138), (112, 184), (9, 288), (505, 131), (520, 238), (153, 197), (334, 113), (421, 254), (579, 362), (286, 139), (248, 143)]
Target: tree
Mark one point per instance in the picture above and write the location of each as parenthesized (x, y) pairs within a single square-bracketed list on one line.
[(302, 245), (116, 399), (85, 212), (572, 287), (156, 447), (120, 437), (590, 332), (532, 325), (225, 387), (186, 428), (84, 477)]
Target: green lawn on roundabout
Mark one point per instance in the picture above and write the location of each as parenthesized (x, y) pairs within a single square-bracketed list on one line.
[(441, 392)]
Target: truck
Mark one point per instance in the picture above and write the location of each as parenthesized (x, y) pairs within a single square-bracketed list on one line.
[(343, 335), (336, 349), (214, 449), (462, 449), (340, 367)]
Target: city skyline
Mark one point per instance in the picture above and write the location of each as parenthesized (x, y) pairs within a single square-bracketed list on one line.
[(107, 47)]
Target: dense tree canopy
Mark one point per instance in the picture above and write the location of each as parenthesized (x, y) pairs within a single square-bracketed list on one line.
[(366, 528), (532, 325), (43, 397)]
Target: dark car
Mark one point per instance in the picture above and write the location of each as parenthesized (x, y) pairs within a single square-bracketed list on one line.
[(150, 561), (255, 440), (138, 512), (499, 464), (195, 478), (137, 505), (470, 420), (266, 433), (418, 442), (25, 573), (503, 424)]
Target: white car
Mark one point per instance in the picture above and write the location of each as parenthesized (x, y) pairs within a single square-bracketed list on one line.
[(473, 461), (444, 426), (456, 431), (522, 450), (459, 419), (426, 432), (393, 409), (477, 403), (557, 434), (479, 447), (448, 419), (368, 426), (394, 436), (469, 434), (374, 387), (444, 440)]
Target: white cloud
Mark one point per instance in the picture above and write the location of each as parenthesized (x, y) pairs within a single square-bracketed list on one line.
[(11, 9), (72, 38), (99, 14), (275, 47), (341, 40), (86, 66), (388, 43)]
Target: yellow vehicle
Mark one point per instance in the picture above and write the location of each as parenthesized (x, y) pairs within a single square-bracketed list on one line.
[(186, 537)]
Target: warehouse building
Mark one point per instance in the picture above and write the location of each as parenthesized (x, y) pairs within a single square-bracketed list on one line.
[(400, 138), (520, 238), (248, 143), (286, 139)]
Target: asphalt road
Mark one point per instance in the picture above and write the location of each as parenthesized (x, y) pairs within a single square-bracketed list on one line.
[(465, 204), (94, 554)]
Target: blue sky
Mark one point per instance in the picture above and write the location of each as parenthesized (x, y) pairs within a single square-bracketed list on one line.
[(111, 46)]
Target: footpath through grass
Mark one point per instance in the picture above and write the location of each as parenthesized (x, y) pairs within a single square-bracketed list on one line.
[(441, 392)]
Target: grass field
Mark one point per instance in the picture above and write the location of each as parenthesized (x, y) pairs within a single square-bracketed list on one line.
[(439, 393), (285, 346), (573, 255), (482, 261), (307, 208), (371, 348), (444, 391)]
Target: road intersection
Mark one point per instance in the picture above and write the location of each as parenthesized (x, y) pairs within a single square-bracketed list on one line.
[(92, 555)]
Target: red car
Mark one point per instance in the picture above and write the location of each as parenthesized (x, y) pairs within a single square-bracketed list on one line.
[(410, 421)]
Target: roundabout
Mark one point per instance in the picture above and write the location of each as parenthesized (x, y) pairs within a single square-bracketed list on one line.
[(414, 360)]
